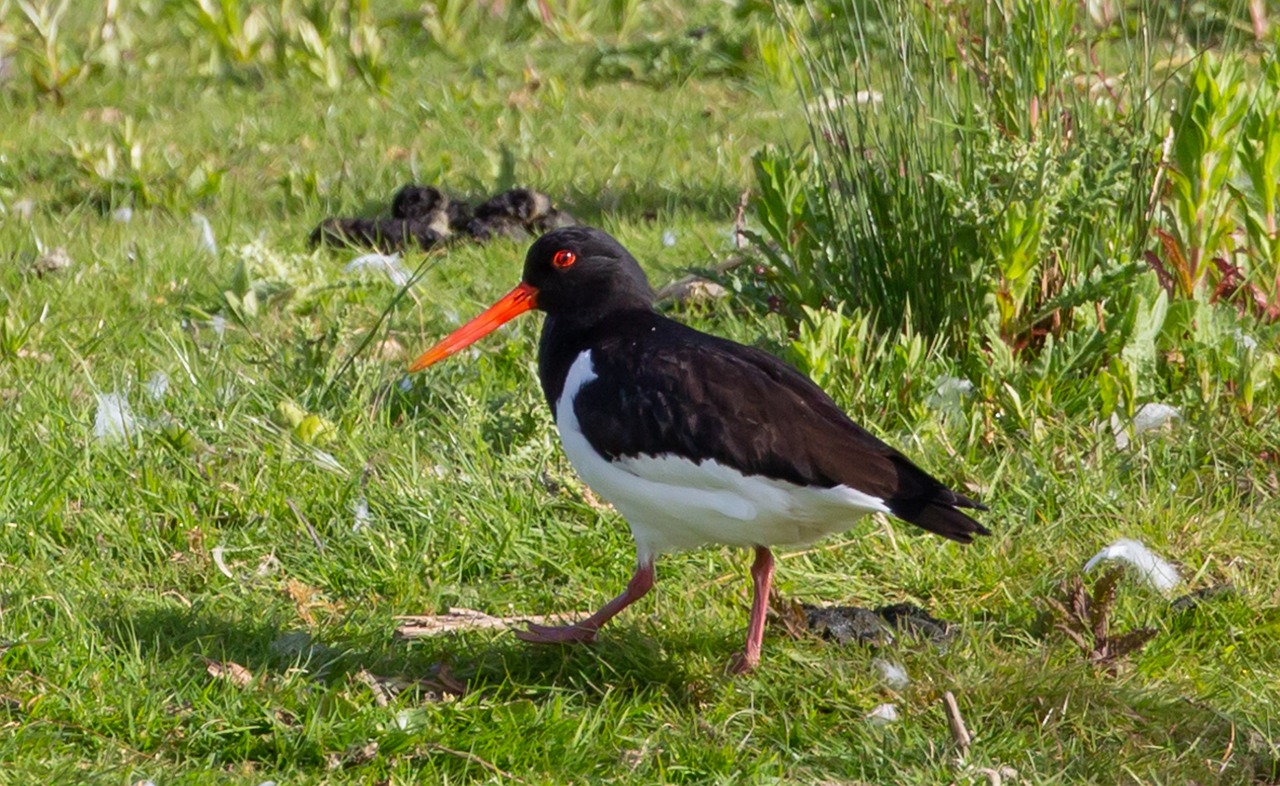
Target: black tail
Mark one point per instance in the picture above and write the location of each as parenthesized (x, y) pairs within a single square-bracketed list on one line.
[(947, 521), (938, 513)]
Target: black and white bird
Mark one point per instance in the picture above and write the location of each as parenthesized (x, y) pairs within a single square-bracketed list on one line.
[(695, 439)]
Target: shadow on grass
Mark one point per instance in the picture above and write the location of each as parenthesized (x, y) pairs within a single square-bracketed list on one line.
[(490, 663)]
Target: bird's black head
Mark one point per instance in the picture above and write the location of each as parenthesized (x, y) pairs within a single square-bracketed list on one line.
[(582, 274), (577, 275)]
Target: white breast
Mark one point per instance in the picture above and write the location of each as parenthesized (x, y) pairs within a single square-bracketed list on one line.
[(672, 503)]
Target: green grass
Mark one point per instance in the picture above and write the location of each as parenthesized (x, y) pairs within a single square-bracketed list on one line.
[(111, 601)]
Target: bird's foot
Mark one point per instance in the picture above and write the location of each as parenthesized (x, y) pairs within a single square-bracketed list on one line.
[(557, 634), (743, 663)]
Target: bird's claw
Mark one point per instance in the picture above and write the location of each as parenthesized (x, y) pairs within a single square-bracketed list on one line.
[(557, 634), (742, 663)]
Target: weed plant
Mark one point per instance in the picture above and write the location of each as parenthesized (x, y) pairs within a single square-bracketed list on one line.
[(1006, 179)]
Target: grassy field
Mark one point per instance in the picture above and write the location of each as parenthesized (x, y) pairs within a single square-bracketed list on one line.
[(211, 596)]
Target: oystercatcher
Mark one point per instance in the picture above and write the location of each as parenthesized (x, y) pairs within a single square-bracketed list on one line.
[(695, 439)]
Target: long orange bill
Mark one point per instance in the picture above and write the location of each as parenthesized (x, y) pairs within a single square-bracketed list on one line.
[(513, 304)]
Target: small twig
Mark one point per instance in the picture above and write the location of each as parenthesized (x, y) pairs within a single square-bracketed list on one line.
[(678, 289), (994, 778), (380, 694), (315, 538), (740, 220), (1231, 744), (958, 731), (454, 620), (474, 759)]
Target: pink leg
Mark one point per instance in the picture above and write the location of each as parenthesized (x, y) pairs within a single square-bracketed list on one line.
[(585, 631), (761, 578)]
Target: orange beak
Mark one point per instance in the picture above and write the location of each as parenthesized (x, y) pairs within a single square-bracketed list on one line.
[(519, 300)]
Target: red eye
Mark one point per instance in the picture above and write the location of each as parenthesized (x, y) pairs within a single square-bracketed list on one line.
[(564, 258)]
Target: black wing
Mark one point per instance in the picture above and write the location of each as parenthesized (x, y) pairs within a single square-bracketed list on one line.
[(663, 388)]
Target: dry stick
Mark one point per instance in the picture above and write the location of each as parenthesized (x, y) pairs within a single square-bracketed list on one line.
[(310, 529), (1231, 744), (958, 732), (474, 759), (994, 778), (454, 620), (380, 695), (678, 288), (740, 220)]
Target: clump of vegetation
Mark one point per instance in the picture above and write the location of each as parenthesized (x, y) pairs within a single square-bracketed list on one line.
[(978, 181), (740, 42), (1006, 180), (1084, 617), (1220, 202), (703, 52)]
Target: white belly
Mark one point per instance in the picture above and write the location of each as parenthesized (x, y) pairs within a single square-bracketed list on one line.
[(672, 503)]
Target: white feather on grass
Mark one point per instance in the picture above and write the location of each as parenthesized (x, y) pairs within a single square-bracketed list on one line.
[(207, 240), (387, 264), (326, 461), (1160, 573), (895, 676), (23, 208), (266, 566), (1149, 417), (360, 510), (1244, 339), (883, 715), (157, 385), (949, 394), (217, 553), (114, 420)]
